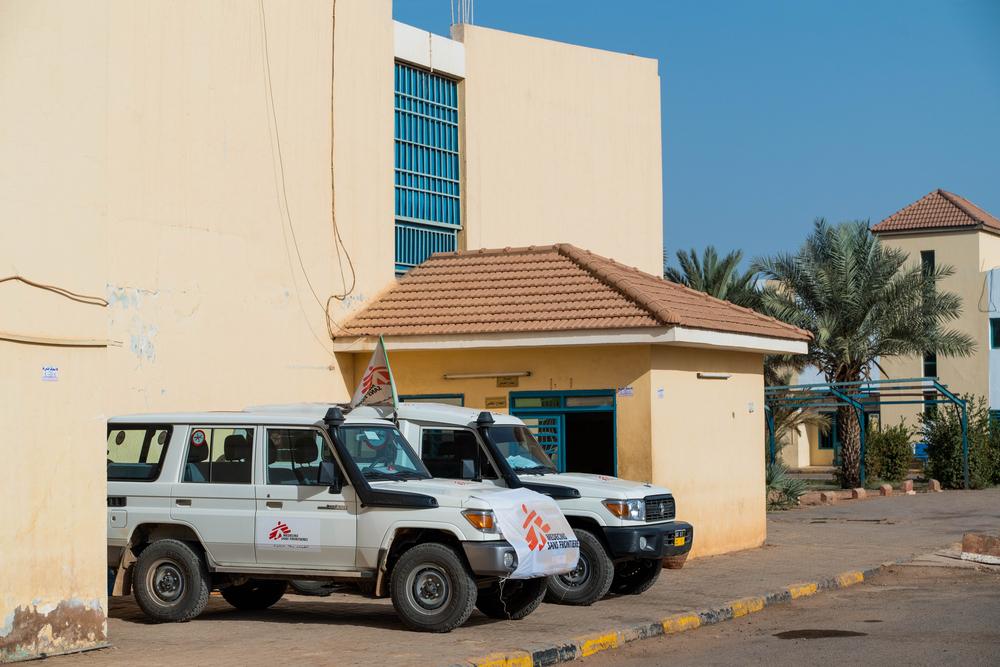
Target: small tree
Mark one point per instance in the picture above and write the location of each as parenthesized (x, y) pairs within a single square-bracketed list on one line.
[(715, 276), (861, 301), (942, 431), (888, 453)]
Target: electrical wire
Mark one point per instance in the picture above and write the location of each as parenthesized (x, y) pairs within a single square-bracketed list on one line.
[(61, 291)]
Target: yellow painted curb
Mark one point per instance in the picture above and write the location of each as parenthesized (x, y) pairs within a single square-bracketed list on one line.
[(745, 606), (850, 578), (680, 623), (514, 659), (802, 590), (592, 645)]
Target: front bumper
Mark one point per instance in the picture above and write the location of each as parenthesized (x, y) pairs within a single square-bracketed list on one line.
[(487, 558), (657, 540)]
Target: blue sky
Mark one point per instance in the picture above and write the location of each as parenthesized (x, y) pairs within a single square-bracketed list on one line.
[(778, 112)]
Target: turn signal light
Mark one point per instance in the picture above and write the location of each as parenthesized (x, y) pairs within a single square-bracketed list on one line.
[(481, 520)]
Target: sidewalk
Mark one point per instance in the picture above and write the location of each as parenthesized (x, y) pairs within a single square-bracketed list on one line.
[(803, 545)]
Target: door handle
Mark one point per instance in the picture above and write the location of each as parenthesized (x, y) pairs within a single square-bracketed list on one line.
[(273, 504), (183, 502), (332, 507)]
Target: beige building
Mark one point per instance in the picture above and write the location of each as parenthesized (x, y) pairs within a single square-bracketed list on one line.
[(214, 189), (943, 228)]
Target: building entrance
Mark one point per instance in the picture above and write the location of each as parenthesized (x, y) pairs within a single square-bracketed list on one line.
[(576, 428)]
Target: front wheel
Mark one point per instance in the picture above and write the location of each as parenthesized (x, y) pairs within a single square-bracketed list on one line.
[(255, 594), (431, 588), (171, 582), (512, 599), (589, 581), (636, 576)]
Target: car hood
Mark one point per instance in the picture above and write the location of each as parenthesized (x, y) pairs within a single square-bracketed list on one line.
[(448, 492), (597, 486)]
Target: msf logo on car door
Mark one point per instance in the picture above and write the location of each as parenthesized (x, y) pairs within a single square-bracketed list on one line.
[(288, 533)]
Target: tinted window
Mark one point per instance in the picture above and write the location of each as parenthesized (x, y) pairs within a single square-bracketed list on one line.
[(995, 332), (454, 454), (135, 453), (299, 457), (219, 455)]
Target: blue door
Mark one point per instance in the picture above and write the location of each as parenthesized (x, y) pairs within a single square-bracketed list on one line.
[(575, 428)]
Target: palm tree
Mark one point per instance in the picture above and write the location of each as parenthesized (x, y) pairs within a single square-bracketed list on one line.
[(861, 301), (714, 276)]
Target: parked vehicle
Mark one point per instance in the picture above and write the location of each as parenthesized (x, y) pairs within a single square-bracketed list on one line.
[(243, 502), (625, 528)]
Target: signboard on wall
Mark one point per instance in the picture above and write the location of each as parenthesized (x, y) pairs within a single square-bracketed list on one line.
[(507, 381), (496, 402)]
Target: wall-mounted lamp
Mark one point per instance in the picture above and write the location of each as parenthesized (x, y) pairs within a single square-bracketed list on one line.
[(714, 376), (479, 376)]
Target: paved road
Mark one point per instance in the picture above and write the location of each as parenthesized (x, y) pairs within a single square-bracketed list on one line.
[(907, 616), (802, 545)]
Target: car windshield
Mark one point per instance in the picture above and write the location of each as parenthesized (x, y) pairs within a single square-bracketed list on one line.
[(381, 452), (522, 451)]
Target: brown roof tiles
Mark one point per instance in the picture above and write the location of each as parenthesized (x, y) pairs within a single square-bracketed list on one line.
[(938, 210), (548, 288)]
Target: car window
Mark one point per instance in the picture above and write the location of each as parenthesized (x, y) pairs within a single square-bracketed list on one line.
[(219, 455), (135, 453), (299, 457), (381, 452), (454, 454)]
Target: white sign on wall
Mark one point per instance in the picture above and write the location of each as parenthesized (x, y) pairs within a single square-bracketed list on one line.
[(50, 373)]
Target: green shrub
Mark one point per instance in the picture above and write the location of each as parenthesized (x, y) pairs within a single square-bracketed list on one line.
[(783, 491), (942, 431), (888, 453)]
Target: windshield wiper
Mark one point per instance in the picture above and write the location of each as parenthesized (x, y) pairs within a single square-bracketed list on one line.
[(378, 474), (534, 470)]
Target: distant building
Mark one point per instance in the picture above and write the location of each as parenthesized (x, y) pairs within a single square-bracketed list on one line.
[(944, 228)]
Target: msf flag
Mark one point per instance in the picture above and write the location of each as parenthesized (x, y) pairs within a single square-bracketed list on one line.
[(377, 386)]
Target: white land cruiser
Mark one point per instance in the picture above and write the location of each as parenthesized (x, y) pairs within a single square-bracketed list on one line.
[(626, 529), (245, 501)]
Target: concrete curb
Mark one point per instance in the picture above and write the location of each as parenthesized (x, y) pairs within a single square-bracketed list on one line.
[(587, 645)]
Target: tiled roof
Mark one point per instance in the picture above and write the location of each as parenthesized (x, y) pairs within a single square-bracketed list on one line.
[(546, 289), (938, 210)]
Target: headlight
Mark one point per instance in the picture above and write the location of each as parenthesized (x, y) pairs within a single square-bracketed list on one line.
[(633, 510), (482, 520)]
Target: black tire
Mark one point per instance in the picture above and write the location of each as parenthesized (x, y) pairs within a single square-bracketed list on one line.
[(320, 589), (431, 588), (170, 582), (256, 594), (591, 579), (512, 599), (634, 577)]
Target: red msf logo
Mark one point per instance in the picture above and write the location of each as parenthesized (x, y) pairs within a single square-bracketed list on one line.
[(375, 377), (279, 531), (536, 529)]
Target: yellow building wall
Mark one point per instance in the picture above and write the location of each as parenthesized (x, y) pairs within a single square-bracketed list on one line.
[(708, 444), (218, 283), (972, 254), (554, 368), (562, 143), (817, 456), (53, 181)]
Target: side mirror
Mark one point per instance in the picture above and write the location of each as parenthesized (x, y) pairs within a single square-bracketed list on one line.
[(469, 469), (336, 486)]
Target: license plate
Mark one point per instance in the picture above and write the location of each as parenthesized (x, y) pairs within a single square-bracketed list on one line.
[(679, 540)]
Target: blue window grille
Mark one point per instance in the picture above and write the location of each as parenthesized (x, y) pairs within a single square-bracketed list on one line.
[(428, 201)]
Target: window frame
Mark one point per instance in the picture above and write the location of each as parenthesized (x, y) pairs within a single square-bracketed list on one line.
[(253, 429), (265, 466), (995, 333), (480, 451), (930, 359), (150, 429), (432, 398)]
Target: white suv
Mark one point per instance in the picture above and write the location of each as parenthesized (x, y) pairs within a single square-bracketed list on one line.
[(245, 501), (626, 529)]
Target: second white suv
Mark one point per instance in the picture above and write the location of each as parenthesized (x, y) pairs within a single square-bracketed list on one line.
[(245, 501)]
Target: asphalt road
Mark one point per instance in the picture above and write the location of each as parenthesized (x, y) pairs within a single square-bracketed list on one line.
[(907, 616)]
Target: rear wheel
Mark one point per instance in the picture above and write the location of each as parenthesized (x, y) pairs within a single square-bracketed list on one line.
[(170, 581), (636, 576), (255, 594), (431, 588), (512, 599), (591, 578)]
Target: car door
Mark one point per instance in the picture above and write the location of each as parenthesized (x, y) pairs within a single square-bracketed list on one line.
[(215, 494), (301, 522)]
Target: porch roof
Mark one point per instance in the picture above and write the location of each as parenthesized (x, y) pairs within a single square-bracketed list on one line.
[(558, 290)]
